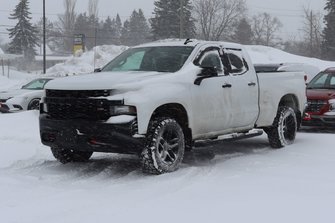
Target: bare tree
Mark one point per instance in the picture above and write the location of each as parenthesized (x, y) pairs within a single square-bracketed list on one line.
[(93, 8), (312, 32), (67, 22), (216, 17), (265, 28)]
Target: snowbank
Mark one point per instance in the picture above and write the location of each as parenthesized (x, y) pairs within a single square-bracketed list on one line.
[(16, 79), (86, 63)]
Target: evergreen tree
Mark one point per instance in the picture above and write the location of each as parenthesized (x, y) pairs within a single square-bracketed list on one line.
[(328, 45), (171, 21), (117, 30), (107, 32), (24, 35), (125, 33), (137, 30), (243, 32)]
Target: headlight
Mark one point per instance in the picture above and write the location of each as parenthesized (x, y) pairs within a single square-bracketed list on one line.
[(122, 110), (332, 105)]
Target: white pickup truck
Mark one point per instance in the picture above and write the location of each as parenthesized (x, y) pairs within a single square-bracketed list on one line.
[(161, 99)]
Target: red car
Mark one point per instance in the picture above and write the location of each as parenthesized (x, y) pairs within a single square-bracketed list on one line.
[(320, 108)]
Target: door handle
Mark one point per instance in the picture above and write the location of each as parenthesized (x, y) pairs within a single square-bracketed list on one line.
[(252, 84), (226, 86)]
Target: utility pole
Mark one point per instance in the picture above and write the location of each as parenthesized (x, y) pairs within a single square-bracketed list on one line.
[(181, 25), (44, 40)]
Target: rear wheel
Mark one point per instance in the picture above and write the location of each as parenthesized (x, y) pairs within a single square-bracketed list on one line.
[(165, 147), (34, 104), (66, 155), (284, 128)]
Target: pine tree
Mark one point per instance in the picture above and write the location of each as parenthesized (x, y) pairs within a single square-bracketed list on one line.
[(243, 32), (328, 45), (24, 35), (172, 22), (137, 30), (117, 30), (107, 32)]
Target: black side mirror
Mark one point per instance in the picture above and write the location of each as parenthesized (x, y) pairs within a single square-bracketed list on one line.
[(206, 72), (97, 70)]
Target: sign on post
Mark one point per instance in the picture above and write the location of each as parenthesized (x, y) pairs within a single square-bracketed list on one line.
[(78, 43)]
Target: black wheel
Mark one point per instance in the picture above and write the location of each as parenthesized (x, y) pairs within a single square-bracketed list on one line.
[(66, 155), (34, 104), (165, 147), (284, 128)]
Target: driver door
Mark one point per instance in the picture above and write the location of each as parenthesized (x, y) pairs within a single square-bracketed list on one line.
[(211, 102)]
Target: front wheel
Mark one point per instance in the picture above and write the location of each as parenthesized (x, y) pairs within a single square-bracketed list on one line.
[(66, 155), (284, 128), (165, 147), (34, 104)]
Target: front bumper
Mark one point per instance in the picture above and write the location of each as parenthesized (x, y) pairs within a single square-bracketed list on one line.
[(8, 108), (319, 121), (95, 136)]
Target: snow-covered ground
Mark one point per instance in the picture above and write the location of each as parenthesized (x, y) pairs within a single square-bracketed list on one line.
[(244, 181)]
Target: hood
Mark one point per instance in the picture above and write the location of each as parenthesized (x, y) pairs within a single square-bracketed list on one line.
[(13, 93), (103, 80), (320, 94)]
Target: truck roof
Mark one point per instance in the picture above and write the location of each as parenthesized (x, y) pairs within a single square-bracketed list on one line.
[(189, 42)]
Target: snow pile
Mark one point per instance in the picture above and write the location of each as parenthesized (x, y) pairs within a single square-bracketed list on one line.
[(16, 79), (1, 51), (88, 61), (270, 55)]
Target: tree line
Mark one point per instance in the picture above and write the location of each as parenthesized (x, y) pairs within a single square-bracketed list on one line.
[(218, 20)]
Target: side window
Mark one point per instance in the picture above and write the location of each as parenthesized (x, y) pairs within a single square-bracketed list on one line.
[(238, 65), (332, 82), (211, 59), (321, 81)]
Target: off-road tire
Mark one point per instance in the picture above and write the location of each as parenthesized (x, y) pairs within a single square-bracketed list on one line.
[(284, 128), (34, 104), (66, 155), (165, 146)]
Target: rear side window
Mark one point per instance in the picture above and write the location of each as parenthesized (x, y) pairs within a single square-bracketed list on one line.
[(237, 63)]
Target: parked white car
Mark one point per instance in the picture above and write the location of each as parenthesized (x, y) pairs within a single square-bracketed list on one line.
[(26, 98)]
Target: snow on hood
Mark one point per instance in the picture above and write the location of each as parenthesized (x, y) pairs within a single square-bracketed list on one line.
[(102, 81)]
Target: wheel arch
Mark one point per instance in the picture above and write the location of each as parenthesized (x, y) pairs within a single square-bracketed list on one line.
[(291, 100), (179, 113)]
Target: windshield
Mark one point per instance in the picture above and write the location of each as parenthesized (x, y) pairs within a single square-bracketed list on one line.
[(159, 58), (322, 81), (37, 84)]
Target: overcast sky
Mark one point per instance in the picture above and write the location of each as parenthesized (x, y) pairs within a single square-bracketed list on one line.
[(288, 11)]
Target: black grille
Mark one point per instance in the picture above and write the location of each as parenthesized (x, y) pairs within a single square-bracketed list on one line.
[(315, 105), (69, 105), (77, 94)]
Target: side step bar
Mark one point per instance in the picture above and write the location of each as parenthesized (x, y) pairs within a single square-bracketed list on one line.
[(228, 138)]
